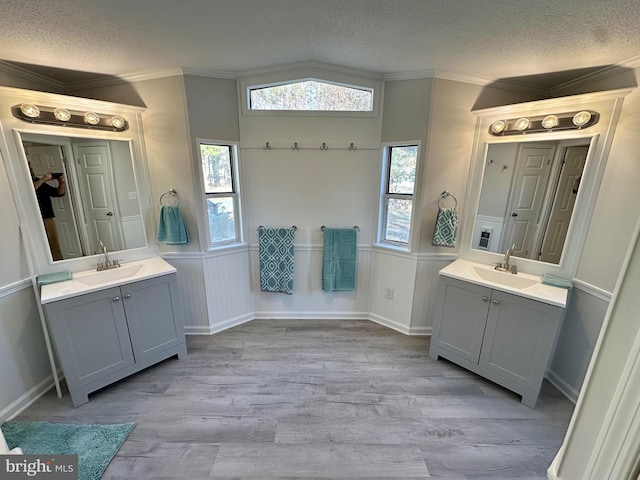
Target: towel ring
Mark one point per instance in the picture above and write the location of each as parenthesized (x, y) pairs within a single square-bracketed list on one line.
[(173, 195), (445, 195)]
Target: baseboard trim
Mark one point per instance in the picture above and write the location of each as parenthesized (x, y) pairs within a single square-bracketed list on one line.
[(26, 399), (218, 327), (398, 327), (312, 315), (385, 322), (563, 387)]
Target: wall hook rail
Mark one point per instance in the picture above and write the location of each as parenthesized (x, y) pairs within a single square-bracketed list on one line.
[(267, 146), (295, 146), (352, 146), (324, 146)]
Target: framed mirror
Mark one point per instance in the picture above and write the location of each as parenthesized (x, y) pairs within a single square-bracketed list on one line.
[(92, 199), (537, 189), (107, 192), (527, 198)]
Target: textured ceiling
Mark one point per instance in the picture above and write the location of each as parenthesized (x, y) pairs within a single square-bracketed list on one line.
[(492, 39)]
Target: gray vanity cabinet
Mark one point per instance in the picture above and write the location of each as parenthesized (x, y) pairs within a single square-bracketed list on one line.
[(107, 335), (503, 337)]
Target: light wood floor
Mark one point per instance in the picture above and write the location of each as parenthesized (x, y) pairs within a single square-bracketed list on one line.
[(307, 399)]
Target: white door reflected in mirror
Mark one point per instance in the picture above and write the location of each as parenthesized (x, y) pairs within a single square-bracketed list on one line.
[(528, 194), (101, 198)]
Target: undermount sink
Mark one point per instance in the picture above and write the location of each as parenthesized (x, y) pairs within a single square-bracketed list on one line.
[(504, 278), (105, 276)]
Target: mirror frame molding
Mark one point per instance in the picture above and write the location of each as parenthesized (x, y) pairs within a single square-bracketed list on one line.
[(608, 104), (11, 130)]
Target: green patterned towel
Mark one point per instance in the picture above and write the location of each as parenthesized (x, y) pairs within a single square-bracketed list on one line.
[(339, 256), (446, 225), (276, 259)]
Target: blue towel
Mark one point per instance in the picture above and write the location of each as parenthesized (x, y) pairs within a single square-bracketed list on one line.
[(47, 278), (444, 233), (276, 259), (171, 227), (339, 256), (555, 281)]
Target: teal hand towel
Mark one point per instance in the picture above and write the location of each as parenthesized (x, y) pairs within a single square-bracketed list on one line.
[(276, 259), (47, 278), (555, 281), (171, 227), (444, 233), (339, 255)]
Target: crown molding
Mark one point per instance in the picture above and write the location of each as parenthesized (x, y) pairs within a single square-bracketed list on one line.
[(127, 78), (25, 74), (201, 72), (309, 65), (589, 78), (470, 79)]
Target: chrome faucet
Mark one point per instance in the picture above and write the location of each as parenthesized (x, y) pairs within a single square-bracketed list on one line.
[(107, 264), (506, 267)]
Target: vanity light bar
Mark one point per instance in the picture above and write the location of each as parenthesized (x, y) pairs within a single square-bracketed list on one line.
[(69, 118), (544, 123)]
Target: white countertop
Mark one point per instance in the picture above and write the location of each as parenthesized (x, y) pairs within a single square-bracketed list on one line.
[(92, 280), (468, 271)]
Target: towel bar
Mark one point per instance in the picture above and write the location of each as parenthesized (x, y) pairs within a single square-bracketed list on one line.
[(355, 226), (293, 226)]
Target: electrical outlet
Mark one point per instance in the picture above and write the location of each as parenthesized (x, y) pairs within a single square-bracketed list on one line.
[(388, 292)]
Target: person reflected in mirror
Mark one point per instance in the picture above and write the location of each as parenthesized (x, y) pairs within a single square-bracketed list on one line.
[(44, 192)]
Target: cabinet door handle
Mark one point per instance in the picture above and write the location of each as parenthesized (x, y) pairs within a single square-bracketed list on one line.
[(127, 295), (495, 302), (485, 298), (116, 298)]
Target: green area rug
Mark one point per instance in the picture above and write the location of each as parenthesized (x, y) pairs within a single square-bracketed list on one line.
[(95, 445)]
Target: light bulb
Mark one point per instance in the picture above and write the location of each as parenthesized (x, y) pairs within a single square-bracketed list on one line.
[(581, 118), (498, 126), (91, 118), (521, 124), (62, 114), (117, 121), (30, 110), (550, 121)]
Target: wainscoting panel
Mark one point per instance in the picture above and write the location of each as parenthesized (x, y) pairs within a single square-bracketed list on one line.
[(227, 288), (25, 372), (578, 336), (132, 231), (393, 279), (308, 299), (192, 291), (425, 290)]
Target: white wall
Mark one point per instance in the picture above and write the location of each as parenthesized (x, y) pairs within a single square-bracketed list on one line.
[(24, 371), (610, 232)]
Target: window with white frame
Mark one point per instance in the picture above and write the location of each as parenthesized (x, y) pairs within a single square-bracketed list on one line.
[(311, 95), (219, 173), (398, 188)]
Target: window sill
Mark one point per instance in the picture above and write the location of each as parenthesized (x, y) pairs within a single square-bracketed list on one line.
[(392, 248), (227, 249)]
